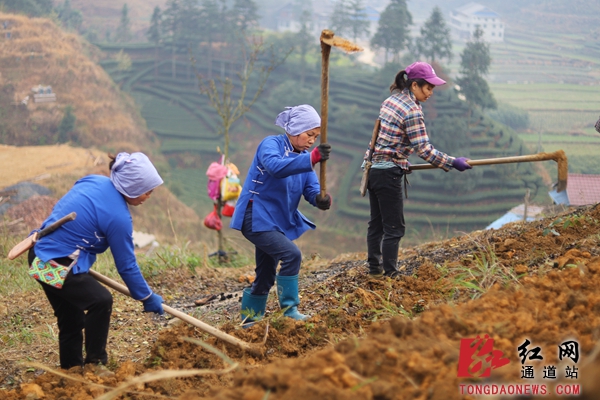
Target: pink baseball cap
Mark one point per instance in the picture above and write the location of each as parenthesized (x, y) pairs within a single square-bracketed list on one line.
[(422, 70)]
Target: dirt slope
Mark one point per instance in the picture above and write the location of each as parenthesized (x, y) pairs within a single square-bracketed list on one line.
[(375, 339), (40, 53)]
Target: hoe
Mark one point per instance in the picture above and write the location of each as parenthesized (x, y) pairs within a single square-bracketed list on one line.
[(559, 156), (328, 39)]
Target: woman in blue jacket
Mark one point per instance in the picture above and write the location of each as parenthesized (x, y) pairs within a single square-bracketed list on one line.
[(103, 220), (267, 209)]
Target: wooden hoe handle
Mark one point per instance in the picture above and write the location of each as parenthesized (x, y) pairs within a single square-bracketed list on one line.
[(326, 35), (182, 316), (558, 156)]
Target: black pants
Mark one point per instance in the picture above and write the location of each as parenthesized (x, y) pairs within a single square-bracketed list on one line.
[(82, 304), (386, 226)]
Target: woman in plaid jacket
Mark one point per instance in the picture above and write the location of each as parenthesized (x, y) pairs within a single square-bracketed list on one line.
[(402, 132)]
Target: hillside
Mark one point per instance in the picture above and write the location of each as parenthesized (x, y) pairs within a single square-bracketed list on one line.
[(106, 120), (547, 16), (367, 339), (103, 17), (40, 53)]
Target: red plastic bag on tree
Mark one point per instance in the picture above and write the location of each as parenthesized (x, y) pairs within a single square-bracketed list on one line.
[(212, 220), (228, 209)]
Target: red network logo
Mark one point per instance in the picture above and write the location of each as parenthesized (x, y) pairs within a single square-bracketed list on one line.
[(478, 358)]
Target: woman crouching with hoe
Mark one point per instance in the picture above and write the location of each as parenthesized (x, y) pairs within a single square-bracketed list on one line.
[(267, 209), (80, 303), (402, 132)]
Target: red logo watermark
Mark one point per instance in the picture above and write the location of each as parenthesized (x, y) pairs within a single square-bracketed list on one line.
[(477, 358)]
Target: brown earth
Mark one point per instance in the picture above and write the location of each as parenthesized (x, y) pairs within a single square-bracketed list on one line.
[(367, 339)]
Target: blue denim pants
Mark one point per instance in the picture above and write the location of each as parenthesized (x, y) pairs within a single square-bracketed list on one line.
[(386, 226), (270, 248)]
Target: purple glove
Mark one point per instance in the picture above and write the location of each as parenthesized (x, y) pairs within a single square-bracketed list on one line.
[(154, 304), (461, 164)]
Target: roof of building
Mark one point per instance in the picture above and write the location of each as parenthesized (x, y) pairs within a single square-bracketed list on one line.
[(505, 219), (583, 189), (532, 210), (516, 214), (477, 10)]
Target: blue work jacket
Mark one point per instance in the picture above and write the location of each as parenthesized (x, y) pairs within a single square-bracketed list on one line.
[(276, 180), (103, 220)]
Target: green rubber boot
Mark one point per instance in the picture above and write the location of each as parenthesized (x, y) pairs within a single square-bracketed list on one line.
[(287, 291), (253, 307)]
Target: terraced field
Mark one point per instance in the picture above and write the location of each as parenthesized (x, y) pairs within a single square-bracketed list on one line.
[(554, 77)]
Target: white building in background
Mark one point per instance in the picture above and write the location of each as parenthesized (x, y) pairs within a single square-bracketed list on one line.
[(465, 19)]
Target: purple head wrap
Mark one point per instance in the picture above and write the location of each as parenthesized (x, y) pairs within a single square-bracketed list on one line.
[(296, 120), (133, 174)]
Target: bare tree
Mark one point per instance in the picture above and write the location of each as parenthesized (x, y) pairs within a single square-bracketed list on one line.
[(231, 100)]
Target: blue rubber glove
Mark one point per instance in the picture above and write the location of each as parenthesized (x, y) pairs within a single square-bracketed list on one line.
[(154, 304), (461, 164)]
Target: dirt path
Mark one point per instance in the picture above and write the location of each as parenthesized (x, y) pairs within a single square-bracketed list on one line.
[(371, 339)]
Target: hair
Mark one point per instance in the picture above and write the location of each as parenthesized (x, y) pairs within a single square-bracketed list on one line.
[(112, 159), (402, 82)]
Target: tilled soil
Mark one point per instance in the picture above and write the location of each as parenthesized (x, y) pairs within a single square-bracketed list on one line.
[(367, 338)]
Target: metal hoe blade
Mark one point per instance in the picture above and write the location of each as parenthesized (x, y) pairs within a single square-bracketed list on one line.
[(329, 38)]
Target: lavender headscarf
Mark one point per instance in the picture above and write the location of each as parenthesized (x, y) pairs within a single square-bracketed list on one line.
[(296, 120), (133, 174)]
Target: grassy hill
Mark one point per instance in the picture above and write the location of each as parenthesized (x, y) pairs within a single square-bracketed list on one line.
[(554, 78), (438, 204)]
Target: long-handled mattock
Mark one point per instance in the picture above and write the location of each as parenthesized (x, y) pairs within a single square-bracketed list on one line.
[(559, 156), (328, 39)]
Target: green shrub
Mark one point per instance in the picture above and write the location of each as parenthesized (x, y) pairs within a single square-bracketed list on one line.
[(67, 125)]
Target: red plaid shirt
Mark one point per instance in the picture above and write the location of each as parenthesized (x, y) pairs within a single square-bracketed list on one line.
[(403, 131)]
